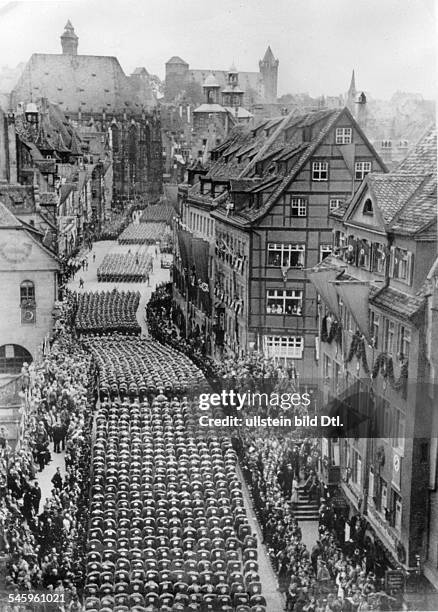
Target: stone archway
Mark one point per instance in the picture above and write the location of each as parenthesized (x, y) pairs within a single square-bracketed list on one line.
[(12, 357)]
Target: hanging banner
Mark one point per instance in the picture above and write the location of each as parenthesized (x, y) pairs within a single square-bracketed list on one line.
[(200, 252), (322, 280), (184, 248), (355, 296)]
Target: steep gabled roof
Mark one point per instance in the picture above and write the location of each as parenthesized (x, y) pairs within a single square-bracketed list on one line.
[(407, 197), (422, 158), (392, 191)]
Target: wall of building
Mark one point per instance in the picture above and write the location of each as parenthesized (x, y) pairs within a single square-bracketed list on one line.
[(37, 267)]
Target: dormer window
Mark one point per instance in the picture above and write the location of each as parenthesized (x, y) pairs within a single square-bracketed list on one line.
[(368, 208)]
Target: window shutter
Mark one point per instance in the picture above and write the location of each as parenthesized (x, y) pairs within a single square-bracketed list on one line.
[(410, 274), (391, 262), (373, 256)]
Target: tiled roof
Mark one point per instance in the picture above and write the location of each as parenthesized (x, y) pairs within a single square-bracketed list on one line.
[(392, 191), (397, 301), (176, 60), (82, 82), (420, 211), (328, 118), (422, 159), (7, 219)]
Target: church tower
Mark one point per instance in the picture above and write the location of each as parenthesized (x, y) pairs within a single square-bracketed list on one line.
[(69, 40), (268, 67), (352, 95)]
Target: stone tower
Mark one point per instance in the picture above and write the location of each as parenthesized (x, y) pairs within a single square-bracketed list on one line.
[(268, 67), (176, 77), (69, 40)]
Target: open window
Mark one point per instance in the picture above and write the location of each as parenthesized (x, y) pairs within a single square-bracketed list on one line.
[(368, 208)]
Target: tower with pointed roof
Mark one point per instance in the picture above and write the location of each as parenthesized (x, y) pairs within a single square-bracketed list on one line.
[(352, 95), (69, 40), (268, 67)]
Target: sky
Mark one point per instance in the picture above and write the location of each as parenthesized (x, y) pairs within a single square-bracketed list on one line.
[(391, 44)]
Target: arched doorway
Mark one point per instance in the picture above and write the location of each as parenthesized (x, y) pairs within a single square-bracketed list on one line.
[(12, 357)]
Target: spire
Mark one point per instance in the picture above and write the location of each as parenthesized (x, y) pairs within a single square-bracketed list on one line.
[(269, 56), (352, 89)]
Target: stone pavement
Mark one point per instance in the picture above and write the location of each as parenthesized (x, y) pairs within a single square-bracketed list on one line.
[(45, 477), (275, 601)]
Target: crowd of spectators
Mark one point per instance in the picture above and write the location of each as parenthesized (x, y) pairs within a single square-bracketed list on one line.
[(337, 575), (45, 538)]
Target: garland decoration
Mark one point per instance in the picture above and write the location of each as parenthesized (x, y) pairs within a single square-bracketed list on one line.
[(357, 348), (385, 365), (334, 334)]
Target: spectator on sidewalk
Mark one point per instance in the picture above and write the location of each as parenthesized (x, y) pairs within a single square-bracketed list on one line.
[(57, 479)]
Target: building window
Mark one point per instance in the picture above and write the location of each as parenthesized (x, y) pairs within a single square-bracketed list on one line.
[(284, 301), (320, 171), (368, 208), (336, 375), (374, 327), (361, 169), (382, 498), (343, 135), (335, 203), (404, 342), (379, 258), (363, 259), (298, 207), (291, 347), (327, 369), (401, 264), (386, 144), (286, 255), (27, 292), (398, 428), (393, 513), (324, 251), (356, 467), (389, 336)]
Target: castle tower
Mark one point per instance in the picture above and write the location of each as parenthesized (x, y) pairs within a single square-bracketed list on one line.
[(268, 67), (176, 77), (69, 40)]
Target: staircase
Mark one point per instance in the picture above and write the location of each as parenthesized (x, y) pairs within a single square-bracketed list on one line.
[(306, 510)]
